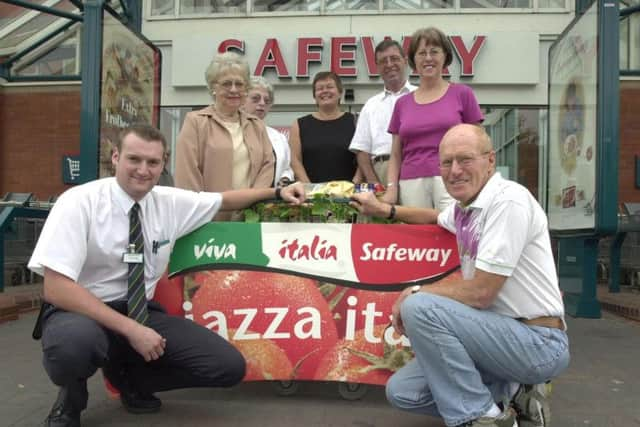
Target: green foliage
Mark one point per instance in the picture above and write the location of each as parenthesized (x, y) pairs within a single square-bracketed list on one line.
[(319, 209)]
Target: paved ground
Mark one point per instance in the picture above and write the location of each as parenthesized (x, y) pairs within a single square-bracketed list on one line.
[(600, 389)]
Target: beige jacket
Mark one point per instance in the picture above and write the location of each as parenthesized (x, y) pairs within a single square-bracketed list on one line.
[(204, 154)]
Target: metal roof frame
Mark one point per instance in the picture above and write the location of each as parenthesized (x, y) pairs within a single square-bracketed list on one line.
[(129, 12)]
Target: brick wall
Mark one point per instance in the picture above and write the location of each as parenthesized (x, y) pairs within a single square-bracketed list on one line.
[(629, 140), (38, 124)]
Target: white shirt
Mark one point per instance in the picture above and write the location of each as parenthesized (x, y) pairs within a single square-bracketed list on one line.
[(87, 233), (371, 134), (283, 154), (504, 231)]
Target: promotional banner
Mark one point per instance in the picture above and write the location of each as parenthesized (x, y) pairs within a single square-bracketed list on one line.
[(130, 91), (372, 256), (306, 301), (573, 80)]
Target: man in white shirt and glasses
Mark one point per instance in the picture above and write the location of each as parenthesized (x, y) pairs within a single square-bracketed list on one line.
[(371, 141), (498, 335), (102, 250)]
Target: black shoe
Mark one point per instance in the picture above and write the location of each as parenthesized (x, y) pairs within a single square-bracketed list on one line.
[(140, 403), (134, 401), (67, 407)]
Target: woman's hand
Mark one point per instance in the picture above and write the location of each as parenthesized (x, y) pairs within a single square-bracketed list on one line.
[(294, 193)]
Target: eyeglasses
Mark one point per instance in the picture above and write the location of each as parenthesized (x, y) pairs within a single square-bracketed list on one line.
[(257, 97), (393, 59), (463, 160), (228, 84), (433, 52)]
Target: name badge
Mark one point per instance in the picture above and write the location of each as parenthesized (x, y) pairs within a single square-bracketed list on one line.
[(133, 258)]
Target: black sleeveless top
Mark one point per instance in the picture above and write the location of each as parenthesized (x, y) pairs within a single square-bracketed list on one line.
[(325, 148)]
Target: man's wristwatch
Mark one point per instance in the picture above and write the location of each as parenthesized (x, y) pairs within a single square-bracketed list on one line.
[(278, 195)]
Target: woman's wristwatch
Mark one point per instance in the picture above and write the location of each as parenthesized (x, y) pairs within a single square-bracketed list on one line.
[(392, 212)]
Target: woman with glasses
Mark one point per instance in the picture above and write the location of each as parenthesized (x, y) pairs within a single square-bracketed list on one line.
[(259, 103), (221, 147), (419, 121), (320, 141)]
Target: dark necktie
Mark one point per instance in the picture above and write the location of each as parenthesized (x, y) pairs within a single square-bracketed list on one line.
[(136, 294)]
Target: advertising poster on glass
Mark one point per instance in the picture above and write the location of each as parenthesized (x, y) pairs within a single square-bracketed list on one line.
[(573, 85), (130, 85)]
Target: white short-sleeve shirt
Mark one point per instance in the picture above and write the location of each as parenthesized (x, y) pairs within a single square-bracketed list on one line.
[(87, 233), (283, 154), (371, 134), (504, 231)]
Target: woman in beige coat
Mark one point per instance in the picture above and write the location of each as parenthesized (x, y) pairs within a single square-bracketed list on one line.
[(220, 147)]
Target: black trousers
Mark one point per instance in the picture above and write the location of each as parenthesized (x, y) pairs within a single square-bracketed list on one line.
[(75, 346)]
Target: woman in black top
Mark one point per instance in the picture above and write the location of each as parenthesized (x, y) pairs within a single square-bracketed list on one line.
[(320, 141)]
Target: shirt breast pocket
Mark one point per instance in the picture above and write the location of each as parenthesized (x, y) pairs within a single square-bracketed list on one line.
[(160, 258)]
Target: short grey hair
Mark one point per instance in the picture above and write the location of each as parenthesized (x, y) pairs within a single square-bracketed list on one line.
[(221, 63), (259, 82)]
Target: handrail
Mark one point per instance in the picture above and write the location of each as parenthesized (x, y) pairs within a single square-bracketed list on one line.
[(8, 212), (629, 222)]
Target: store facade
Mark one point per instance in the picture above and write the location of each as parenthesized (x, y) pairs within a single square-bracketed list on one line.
[(500, 51)]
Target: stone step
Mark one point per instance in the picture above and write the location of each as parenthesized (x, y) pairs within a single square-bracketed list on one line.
[(19, 299)]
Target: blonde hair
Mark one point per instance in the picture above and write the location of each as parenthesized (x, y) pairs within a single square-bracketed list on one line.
[(262, 83), (221, 63)]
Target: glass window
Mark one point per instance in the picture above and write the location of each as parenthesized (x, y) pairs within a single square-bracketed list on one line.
[(286, 5), (188, 7), (492, 4), (634, 42), (332, 5), (624, 44), (551, 4), (171, 119), (510, 123), (516, 137), (162, 7), (10, 12), (59, 61), (417, 4), (33, 26)]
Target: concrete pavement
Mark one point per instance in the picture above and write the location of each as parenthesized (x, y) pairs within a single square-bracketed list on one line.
[(600, 389)]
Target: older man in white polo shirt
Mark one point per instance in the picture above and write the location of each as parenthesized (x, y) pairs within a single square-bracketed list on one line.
[(497, 335), (371, 141)]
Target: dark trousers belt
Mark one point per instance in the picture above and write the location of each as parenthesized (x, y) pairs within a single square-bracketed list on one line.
[(544, 321), (381, 158)]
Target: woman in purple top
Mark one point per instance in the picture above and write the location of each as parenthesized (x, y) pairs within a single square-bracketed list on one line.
[(419, 121)]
